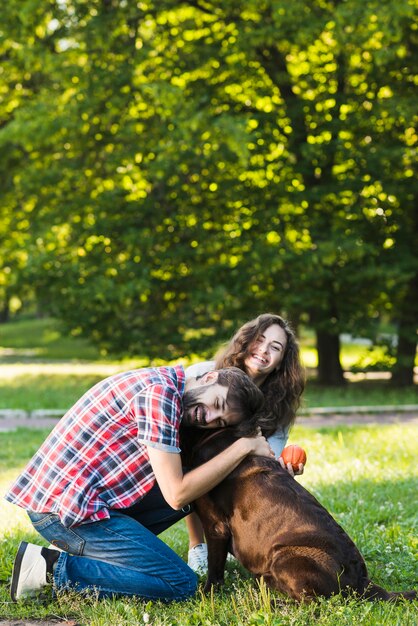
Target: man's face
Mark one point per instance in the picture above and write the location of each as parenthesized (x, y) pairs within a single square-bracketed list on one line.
[(205, 406)]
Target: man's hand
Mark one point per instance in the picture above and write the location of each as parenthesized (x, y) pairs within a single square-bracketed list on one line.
[(260, 445), (180, 489)]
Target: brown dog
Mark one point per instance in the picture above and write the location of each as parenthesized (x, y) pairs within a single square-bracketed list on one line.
[(276, 529)]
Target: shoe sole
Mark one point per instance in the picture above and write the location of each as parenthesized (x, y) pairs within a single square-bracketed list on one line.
[(16, 571)]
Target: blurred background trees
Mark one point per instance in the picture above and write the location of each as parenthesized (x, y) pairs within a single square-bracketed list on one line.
[(172, 169)]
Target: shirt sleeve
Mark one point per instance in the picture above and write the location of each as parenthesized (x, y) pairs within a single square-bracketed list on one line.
[(278, 440), (157, 413)]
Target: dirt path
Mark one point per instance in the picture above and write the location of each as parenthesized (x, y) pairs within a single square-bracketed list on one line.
[(349, 419), (12, 422)]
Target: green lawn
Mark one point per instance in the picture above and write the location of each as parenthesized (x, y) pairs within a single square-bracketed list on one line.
[(45, 339), (367, 477), (31, 387), (41, 339), (41, 367)]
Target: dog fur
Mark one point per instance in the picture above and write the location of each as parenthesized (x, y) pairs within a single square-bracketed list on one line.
[(276, 529)]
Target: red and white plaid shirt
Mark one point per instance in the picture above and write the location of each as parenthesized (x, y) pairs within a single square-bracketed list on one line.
[(95, 459)]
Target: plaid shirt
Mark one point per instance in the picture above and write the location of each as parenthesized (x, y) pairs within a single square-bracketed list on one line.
[(95, 459)]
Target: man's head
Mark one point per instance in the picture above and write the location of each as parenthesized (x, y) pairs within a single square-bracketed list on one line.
[(225, 397)]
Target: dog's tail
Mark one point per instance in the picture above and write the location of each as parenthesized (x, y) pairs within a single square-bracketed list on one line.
[(374, 592)]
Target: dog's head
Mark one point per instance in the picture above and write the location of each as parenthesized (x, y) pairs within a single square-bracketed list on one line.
[(198, 445)]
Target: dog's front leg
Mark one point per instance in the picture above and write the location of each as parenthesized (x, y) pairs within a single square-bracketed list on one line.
[(217, 553), (218, 539)]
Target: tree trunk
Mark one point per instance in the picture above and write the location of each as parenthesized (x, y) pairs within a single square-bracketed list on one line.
[(403, 371), (330, 371)]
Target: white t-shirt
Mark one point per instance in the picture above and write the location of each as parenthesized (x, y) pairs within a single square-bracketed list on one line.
[(277, 440)]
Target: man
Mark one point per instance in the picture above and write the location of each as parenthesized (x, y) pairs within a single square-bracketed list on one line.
[(109, 478)]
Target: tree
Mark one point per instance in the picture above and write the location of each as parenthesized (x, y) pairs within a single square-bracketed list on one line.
[(189, 165)]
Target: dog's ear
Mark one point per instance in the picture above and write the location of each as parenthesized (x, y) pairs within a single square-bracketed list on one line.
[(188, 440)]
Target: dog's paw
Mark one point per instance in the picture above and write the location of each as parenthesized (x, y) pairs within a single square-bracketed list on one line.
[(213, 584)]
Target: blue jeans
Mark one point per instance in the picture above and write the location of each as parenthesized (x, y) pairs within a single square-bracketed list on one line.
[(121, 555)]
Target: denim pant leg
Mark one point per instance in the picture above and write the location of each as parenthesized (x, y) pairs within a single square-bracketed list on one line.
[(116, 556), (153, 512)]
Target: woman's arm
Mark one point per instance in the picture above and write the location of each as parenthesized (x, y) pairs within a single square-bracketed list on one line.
[(278, 440)]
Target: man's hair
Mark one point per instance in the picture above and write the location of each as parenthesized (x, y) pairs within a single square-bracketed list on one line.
[(244, 398)]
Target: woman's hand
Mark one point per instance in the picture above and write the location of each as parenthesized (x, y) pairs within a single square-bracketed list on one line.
[(289, 468)]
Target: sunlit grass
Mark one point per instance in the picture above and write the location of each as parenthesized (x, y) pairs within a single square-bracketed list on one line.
[(367, 477), (359, 393), (42, 368), (31, 386), (43, 339)]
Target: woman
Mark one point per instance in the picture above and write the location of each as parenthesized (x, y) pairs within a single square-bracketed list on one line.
[(266, 349)]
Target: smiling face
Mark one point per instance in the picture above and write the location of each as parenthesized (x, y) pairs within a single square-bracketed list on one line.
[(265, 353), (205, 405)]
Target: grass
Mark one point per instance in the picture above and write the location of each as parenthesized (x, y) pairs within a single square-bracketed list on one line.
[(37, 339), (44, 340), (360, 393), (43, 368), (45, 391), (34, 386), (365, 476)]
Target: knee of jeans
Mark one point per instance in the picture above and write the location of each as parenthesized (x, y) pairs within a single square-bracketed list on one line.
[(187, 589)]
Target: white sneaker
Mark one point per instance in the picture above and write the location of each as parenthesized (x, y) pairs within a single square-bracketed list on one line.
[(198, 559), (31, 569)]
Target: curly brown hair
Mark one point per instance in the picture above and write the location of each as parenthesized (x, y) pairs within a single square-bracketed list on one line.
[(283, 387)]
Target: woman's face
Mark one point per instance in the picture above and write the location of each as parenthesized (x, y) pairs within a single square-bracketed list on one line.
[(266, 352)]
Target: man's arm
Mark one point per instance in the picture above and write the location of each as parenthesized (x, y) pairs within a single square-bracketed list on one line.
[(180, 489)]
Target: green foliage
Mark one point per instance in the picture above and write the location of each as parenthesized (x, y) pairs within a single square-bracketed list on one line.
[(173, 167)]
